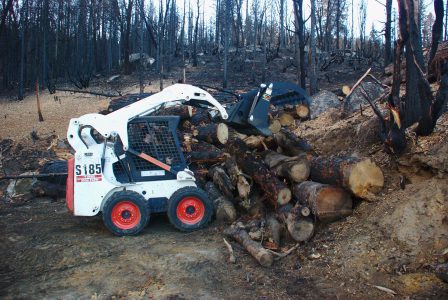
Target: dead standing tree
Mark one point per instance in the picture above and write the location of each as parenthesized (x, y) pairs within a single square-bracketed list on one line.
[(418, 105)]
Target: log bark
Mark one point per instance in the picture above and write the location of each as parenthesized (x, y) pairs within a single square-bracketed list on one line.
[(204, 153), (224, 209), (300, 228), (222, 180), (295, 169), (292, 144), (48, 189), (237, 178), (255, 249), (328, 203), (361, 177), (277, 193)]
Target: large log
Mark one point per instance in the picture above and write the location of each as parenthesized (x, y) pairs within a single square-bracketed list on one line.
[(292, 144), (255, 249), (224, 209), (362, 177), (328, 203), (277, 193), (222, 180), (296, 169), (237, 177), (300, 227), (213, 133)]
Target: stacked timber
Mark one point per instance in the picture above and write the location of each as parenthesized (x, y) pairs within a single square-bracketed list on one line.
[(271, 189)]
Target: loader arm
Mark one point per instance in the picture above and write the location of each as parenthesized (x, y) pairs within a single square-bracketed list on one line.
[(116, 122)]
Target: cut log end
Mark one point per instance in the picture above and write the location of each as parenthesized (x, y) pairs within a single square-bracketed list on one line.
[(302, 229), (300, 171), (223, 133), (345, 90), (265, 258), (302, 111), (286, 119), (275, 126), (366, 178), (284, 196)]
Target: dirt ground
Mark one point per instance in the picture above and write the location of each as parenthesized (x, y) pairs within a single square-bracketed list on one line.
[(392, 241)]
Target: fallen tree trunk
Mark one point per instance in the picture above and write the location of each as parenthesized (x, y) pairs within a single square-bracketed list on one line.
[(224, 209), (296, 169), (361, 177), (237, 178), (255, 249), (276, 191), (328, 203), (301, 228), (292, 144), (222, 180)]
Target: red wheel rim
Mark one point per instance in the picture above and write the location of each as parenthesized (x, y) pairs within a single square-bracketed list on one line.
[(190, 210), (125, 215)]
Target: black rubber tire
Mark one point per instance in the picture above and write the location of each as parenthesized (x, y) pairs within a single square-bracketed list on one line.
[(129, 196), (55, 166), (181, 194)]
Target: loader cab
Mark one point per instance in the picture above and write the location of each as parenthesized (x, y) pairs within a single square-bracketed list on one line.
[(155, 136)]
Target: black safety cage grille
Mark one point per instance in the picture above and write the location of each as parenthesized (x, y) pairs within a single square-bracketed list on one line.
[(155, 136)]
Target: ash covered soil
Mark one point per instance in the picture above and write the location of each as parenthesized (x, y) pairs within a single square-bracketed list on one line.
[(393, 241)]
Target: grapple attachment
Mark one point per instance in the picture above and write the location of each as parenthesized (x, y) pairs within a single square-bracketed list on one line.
[(250, 114)]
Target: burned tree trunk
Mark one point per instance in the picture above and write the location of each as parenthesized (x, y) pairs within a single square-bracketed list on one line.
[(224, 209), (276, 191), (255, 249), (328, 203), (361, 177), (296, 169)]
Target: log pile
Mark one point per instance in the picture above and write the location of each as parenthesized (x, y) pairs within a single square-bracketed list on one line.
[(271, 190)]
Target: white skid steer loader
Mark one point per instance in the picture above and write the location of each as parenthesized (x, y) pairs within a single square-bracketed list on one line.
[(128, 164)]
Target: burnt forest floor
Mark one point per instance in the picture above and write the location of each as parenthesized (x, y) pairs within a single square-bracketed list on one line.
[(392, 241)]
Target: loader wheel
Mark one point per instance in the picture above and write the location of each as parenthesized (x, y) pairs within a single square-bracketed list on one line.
[(125, 213), (189, 209)]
